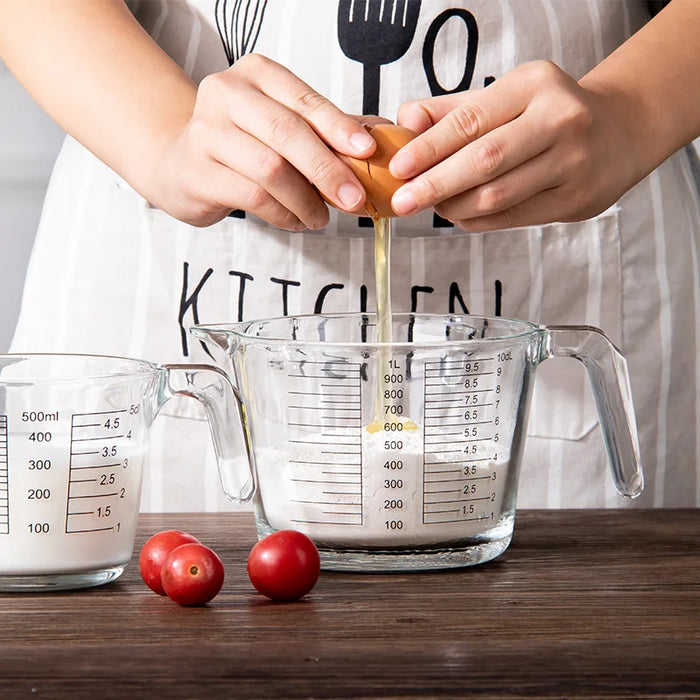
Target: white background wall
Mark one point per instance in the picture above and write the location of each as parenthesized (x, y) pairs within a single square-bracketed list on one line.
[(29, 142)]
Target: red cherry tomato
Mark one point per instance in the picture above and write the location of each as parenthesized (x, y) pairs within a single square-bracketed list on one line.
[(192, 574), (284, 565), (154, 553)]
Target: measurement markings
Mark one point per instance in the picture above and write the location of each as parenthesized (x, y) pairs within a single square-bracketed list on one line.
[(92, 427), (463, 422), (324, 522), (461, 461), (452, 412), (100, 413), (445, 452), (91, 529), (97, 495), (321, 376), (97, 466), (324, 362), (464, 375), (315, 393), (105, 437), (457, 520), (442, 425), (438, 512), (327, 443), (448, 481), (466, 441), (461, 394), (323, 503), (324, 464), (460, 362), (467, 392), (438, 402), (459, 500), (325, 481)]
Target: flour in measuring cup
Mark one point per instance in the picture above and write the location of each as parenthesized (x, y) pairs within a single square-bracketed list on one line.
[(416, 497)]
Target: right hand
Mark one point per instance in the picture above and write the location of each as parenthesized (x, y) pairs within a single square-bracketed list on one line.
[(260, 139)]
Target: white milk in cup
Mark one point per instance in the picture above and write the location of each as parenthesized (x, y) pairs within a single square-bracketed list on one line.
[(74, 432)]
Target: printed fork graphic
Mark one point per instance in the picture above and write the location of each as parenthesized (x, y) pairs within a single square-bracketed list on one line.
[(374, 33)]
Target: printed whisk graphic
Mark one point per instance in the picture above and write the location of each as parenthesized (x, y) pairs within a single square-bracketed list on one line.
[(239, 23)]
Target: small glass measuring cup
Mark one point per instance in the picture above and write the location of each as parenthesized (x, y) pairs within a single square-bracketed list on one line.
[(404, 455), (74, 432)]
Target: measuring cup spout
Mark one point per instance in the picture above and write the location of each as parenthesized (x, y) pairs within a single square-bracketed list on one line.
[(219, 338), (607, 371)]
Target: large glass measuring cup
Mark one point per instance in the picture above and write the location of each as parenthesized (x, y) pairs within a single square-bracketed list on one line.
[(404, 455), (74, 432)]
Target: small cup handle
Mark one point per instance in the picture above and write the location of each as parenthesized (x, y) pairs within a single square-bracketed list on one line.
[(212, 387), (609, 377)]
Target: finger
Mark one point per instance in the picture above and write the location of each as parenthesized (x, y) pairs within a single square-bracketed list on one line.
[(257, 162), (518, 185), (230, 190), (474, 115), (293, 138), (338, 129), (543, 208), (420, 115), (478, 162)]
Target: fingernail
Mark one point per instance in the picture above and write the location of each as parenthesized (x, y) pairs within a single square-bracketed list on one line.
[(403, 202), (361, 141), (402, 165), (349, 195), (319, 223)]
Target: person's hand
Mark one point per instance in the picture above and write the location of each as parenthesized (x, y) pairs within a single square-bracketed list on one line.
[(260, 139), (532, 148)]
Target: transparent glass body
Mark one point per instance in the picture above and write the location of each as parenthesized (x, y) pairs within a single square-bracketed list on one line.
[(74, 432), (402, 455)]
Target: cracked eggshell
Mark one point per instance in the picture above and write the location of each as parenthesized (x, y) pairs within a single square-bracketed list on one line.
[(373, 172)]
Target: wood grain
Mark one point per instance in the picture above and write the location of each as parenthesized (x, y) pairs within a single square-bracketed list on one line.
[(602, 604)]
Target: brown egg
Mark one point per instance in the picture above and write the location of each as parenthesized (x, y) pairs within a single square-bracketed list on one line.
[(373, 172)]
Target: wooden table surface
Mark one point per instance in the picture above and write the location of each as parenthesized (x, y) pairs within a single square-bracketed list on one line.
[(602, 604)]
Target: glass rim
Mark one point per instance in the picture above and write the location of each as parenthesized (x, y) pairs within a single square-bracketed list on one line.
[(240, 329), (140, 367)]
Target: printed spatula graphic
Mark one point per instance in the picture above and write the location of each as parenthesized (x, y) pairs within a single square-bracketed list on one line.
[(374, 33)]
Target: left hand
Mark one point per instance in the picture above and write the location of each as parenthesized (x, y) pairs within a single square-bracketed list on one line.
[(532, 148)]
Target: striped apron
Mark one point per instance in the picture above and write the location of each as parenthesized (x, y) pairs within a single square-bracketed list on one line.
[(109, 274)]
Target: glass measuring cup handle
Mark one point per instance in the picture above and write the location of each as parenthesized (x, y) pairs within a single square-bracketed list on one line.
[(607, 371), (224, 410)]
